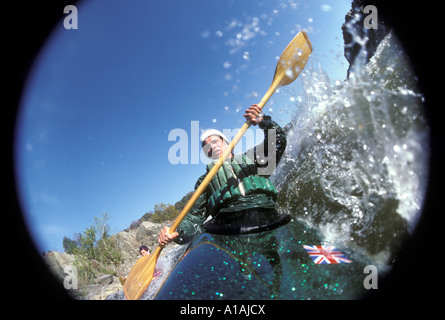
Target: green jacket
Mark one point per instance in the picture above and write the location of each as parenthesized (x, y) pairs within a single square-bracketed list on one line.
[(237, 177), (205, 205)]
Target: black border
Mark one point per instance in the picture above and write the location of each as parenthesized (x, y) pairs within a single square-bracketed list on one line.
[(417, 271)]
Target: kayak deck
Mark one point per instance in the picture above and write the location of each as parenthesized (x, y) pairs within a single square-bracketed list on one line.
[(285, 263)]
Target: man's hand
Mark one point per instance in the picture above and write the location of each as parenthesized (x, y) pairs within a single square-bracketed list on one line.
[(165, 236), (254, 114)]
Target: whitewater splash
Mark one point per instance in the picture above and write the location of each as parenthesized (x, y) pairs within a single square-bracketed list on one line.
[(356, 164), (165, 264)]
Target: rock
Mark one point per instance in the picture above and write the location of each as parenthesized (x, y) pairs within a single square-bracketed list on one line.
[(58, 262), (105, 279), (93, 292), (147, 234), (111, 289), (105, 286), (354, 26), (96, 264), (118, 295), (128, 243)]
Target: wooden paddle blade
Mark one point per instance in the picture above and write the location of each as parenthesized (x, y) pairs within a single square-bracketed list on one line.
[(289, 66), (292, 60), (140, 275)]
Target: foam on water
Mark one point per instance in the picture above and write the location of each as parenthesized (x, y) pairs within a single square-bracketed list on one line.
[(165, 265)]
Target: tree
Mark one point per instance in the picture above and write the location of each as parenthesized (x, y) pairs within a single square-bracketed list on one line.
[(88, 242), (146, 216), (163, 212), (102, 227), (94, 243), (181, 203), (69, 246)]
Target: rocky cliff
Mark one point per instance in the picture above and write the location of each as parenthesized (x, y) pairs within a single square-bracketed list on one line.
[(107, 281), (353, 30)]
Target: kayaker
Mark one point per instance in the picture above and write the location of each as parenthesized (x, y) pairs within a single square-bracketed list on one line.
[(238, 200), (144, 251)]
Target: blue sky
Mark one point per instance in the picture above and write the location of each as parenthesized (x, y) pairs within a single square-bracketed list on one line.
[(100, 102)]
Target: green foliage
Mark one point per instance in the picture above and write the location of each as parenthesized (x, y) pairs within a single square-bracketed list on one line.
[(93, 248), (88, 243), (181, 203), (96, 251), (69, 245), (163, 212), (146, 216)]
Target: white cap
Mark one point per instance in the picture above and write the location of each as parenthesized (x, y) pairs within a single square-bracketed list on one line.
[(213, 132)]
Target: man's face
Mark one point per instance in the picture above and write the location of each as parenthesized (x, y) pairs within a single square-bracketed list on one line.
[(215, 146), (144, 252)]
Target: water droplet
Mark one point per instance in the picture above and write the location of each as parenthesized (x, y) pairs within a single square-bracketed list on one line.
[(205, 34), (325, 7)]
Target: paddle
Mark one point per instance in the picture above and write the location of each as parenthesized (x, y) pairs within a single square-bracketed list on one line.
[(289, 66)]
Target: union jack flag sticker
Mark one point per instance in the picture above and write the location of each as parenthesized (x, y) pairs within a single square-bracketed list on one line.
[(326, 255)]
